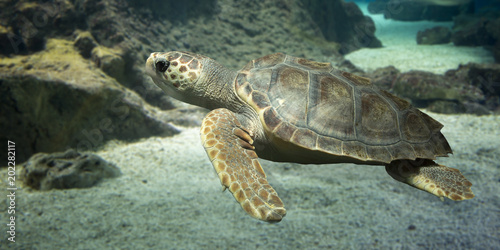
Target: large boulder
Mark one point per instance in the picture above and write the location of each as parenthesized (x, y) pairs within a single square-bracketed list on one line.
[(423, 88), (384, 78), (439, 93), (55, 99), (344, 23), (478, 30), (485, 77), (470, 89), (433, 10), (474, 30), (436, 35), (31, 22)]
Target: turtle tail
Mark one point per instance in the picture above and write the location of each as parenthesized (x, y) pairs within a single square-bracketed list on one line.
[(429, 176)]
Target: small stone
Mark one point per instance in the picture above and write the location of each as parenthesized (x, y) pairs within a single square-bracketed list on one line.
[(64, 170)]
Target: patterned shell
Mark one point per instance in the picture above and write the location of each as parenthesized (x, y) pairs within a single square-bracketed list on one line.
[(317, 107)]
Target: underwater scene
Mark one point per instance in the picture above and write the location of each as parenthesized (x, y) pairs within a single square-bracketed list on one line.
[(238, 124)]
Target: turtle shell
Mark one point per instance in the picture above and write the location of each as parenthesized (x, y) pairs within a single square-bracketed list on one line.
[(313, 106)]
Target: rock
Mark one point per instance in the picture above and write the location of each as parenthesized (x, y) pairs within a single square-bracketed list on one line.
[(84, 43), (436, 35), (485, 77), (496, 51), (453, 93), (478, 30), (32, 22), (446, 107), (421, 85), (476, 108), (472, 30), (66, 170), (377, 7), (384, 78), (436, 92), (417, 10), (110, 61), (472, 88), (56, 99), (7, 41), (344, 23), (454, 107), (348, 66), (493, 27)]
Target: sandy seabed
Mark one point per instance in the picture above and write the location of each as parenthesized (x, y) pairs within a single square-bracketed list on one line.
[(170, 197)]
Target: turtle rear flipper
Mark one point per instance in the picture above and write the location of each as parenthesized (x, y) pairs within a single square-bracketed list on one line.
[(429, 176), (230, 149)]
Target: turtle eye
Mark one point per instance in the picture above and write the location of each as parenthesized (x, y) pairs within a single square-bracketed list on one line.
[(162, 66)]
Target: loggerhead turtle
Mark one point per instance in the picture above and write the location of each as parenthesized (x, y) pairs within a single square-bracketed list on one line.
[(288, 109)]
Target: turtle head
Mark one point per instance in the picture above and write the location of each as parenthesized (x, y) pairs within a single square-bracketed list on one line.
[(193, 78), (177, 73)]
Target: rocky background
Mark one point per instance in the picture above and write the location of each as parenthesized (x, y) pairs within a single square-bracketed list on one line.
[(71, 72), (472, 88), (421, 9), (475, 23)]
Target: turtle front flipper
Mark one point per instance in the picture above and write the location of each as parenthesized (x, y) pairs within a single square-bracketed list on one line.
[(429, 176), (231, 150)]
